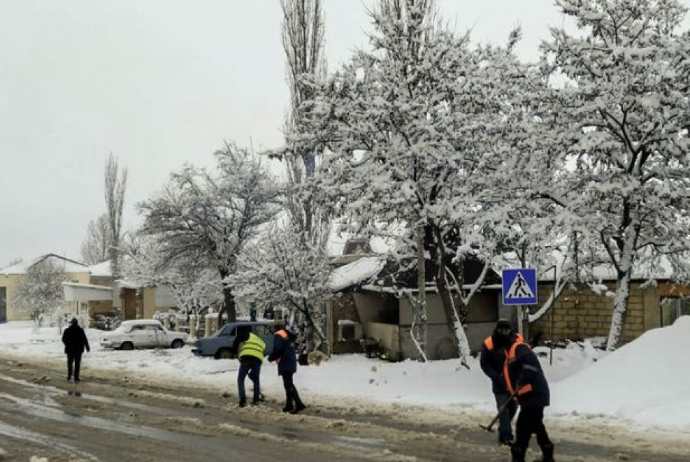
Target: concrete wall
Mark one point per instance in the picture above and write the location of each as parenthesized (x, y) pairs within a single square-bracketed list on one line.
[(481, 320), (376, 307), (389, 338), (9, 282), (341, 307), (148, 307)]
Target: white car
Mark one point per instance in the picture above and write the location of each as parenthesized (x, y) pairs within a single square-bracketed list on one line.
[(142, 333)]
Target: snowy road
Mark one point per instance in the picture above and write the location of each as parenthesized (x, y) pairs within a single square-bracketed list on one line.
[(113, 419)]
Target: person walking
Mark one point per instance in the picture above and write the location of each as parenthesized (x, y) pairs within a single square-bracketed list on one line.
[(75, 342), (250, 351), (525, 377), (284, 355), (492, 359)]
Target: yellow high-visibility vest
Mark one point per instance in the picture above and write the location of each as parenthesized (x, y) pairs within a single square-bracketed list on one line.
[(253, 346)]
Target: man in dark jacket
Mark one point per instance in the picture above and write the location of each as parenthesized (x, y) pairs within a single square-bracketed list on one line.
[(75, 342), (284, 355), (492, 360), (526, 378)]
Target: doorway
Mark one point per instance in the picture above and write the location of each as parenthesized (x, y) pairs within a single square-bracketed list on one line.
[(3, 305)]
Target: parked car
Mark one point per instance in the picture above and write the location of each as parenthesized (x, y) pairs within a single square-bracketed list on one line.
[(220, 344), (142, 333)]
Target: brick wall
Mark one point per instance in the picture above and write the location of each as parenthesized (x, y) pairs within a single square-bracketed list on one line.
[(580, 313)]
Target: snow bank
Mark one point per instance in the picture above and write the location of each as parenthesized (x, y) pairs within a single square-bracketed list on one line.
[(646, 381)]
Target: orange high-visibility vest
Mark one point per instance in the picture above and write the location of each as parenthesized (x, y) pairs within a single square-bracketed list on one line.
[(281, 333), (510, 357)]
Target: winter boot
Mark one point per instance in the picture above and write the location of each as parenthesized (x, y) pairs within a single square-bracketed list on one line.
[(289, 402), (299, 405), (518, 454), (547, 454), (288, 407)]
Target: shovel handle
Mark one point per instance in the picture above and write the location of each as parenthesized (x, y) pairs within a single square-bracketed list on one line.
[(501, 410)]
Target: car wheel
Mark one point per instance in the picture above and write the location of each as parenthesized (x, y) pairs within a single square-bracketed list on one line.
[(225, 353), (127, 346), (177, 343)]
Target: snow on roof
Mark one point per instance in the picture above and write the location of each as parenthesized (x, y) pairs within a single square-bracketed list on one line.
[(642, 269), (101, 270), (338, 238), (66, 264), (75, 292), (356, 272), (87, 286), (130, 322)]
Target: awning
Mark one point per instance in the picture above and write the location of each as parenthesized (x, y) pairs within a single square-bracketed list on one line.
[(75, 292)]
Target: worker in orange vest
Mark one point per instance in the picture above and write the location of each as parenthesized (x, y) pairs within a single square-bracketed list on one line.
[(525, 379), (492, 360), (284, 355)]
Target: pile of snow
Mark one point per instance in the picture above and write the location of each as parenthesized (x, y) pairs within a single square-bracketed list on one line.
[(646, 381)]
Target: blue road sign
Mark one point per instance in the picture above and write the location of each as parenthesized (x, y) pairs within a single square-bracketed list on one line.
[(519, 286)]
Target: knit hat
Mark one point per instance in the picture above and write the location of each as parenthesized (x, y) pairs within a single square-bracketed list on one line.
[(503, 324)]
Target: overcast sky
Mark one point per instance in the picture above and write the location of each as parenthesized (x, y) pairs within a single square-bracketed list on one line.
[(158, 83)]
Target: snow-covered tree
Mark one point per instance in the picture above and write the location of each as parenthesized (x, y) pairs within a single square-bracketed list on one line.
[(279, 269), (39, 292), (115, 186), (417, 130), (97, 244), (211, 215), (194, 284), (303, 42), (625, 117)]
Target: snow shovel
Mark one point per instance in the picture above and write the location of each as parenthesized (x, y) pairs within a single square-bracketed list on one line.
[(501, 410)]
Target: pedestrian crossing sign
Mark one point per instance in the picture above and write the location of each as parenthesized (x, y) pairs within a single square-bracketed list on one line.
[(519, 286)]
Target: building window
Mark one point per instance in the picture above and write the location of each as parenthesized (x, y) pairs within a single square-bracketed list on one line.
[(674, 308)]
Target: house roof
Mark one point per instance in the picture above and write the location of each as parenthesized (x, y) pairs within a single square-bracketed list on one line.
[(68, 265), (643, 270), (86, 292), (355, 273), (101, 270)]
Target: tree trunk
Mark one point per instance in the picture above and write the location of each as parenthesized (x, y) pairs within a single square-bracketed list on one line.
[(314, 333), (421, 298), (229, 305), (620, 309), (626, 245), (453, 318)]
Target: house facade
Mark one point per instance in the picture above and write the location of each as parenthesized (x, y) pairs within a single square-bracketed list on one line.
[(366, 311)]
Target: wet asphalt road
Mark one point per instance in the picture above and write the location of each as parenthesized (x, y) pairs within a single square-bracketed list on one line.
[(116, 420)]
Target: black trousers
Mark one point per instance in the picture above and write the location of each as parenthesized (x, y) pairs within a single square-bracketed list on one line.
[(291, 396), (73, 364), (530, 420)]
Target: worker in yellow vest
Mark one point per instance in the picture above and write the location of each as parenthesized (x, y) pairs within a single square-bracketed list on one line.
[(250, 351)]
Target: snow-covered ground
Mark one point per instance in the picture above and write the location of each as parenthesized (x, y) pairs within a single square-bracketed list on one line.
[(645, 383)]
